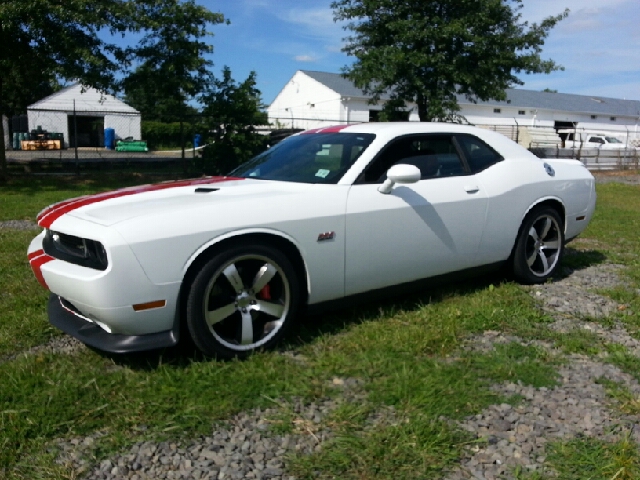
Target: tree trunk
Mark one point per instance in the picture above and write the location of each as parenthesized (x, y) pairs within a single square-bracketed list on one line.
[(423, 108)]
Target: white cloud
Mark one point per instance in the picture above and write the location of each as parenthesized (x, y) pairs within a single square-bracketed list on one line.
[(536, 10), (304, 58), (315, 23)]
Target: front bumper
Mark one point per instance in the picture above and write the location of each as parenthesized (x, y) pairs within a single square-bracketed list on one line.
[(63, 316)]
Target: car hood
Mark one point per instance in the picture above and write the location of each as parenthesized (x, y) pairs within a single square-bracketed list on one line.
[(109, 208)]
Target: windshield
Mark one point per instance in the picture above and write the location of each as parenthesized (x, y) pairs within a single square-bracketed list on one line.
[(307, 158), (612, 140)]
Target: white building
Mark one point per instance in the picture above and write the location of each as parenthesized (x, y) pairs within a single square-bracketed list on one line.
[(314, 99), (94, 112)]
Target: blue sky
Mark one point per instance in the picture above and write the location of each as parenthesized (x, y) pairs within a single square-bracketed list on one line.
[(598, 44)]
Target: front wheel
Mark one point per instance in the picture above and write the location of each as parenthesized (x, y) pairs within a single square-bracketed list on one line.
[(242, 300), (539, 246)]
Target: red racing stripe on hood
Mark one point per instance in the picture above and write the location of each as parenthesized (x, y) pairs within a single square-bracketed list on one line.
[(53, 212)]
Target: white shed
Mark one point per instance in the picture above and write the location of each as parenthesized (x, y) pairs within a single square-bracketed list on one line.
[(82, 114)]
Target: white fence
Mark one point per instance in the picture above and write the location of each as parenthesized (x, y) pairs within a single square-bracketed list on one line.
[(594, 158)]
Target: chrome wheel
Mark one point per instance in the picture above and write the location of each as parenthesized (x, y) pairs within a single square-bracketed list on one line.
[(246, 302), (543, 245), (242, 300), (539, 246)]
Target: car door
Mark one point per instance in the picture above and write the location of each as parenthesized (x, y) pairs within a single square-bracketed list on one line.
[(419, 230)]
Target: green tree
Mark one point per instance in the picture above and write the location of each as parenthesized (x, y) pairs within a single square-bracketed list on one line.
[(426, 52), (62, 38), (173, 66), (231, 112)]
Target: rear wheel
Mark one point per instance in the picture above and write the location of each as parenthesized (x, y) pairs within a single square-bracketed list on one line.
[(242, 300), (539, 246)]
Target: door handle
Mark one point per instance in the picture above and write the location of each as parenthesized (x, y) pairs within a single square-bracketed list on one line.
[(471, 189)]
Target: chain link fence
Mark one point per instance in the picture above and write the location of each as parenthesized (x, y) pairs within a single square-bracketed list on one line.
[(62, 141)]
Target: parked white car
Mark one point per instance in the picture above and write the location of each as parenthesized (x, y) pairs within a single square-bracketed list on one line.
[(326, 214), (593, 140)]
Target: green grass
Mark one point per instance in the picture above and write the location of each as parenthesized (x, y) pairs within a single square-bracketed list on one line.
[(595, 460), (627, 402), (417, 447), (625, 360), (406, 352), (21, 198), (23, 321)]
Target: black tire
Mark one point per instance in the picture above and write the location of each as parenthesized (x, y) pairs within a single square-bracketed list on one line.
[(539, 246), (244, 299)]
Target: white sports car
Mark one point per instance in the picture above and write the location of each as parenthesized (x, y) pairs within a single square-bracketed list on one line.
[(324, 215)]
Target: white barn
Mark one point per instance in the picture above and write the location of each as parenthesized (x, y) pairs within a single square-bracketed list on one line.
[(94, 112), (314, 99)]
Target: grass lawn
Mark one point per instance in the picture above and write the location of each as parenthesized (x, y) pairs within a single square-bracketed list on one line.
[(405, 351)]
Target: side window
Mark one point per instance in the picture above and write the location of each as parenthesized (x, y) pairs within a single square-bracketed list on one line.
[(478, 154), (435, 156)]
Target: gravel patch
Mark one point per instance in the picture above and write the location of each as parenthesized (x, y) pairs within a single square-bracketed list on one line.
[(19, 225), (244, 447), (574, 294), (516, 437), (630, 179), (63, 344)]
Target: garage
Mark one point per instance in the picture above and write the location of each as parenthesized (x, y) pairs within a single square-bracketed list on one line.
[(81, 115)]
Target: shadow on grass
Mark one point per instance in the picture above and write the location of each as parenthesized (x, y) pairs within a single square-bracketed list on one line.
[(315, 325), (337, 319), (578, 260)]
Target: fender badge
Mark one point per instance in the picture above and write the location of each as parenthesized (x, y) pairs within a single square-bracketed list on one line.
[(549, 169), (326, 236)]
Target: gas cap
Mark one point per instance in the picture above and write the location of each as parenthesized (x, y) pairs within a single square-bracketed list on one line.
[(549, 169)]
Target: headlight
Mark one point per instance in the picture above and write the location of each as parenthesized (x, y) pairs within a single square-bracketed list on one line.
[(76, 250)]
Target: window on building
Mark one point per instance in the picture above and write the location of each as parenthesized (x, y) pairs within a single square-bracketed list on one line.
[(613, 119), (497, 110), (521, 112), (593, 117)]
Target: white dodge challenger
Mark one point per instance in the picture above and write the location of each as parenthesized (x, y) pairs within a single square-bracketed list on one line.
[(324, 215)]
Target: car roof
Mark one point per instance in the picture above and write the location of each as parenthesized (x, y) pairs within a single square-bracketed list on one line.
[(386, 131), (397, 128)]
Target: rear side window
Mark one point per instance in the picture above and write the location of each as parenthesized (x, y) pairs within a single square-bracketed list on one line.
[(479, 155)]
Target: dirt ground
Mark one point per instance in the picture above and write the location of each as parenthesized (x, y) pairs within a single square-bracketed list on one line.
[(631, 177)]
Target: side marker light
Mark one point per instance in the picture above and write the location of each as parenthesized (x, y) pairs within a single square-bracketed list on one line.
[(149, 305)]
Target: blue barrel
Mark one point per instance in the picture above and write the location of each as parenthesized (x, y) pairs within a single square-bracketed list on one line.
[(109, 138), (197, 140)]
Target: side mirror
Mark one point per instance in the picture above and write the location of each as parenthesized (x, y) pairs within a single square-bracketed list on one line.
[(399, 174)]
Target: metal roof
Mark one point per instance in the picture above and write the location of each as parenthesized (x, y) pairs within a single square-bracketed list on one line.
[(89, 100), (517, 98)]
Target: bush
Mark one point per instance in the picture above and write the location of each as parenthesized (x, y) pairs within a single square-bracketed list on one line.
[(167, 135)]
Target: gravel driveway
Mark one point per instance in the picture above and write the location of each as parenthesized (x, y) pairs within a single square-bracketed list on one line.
[(244, 447)]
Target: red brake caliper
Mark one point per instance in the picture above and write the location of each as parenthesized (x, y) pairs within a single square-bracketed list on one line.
[(265, 293)]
